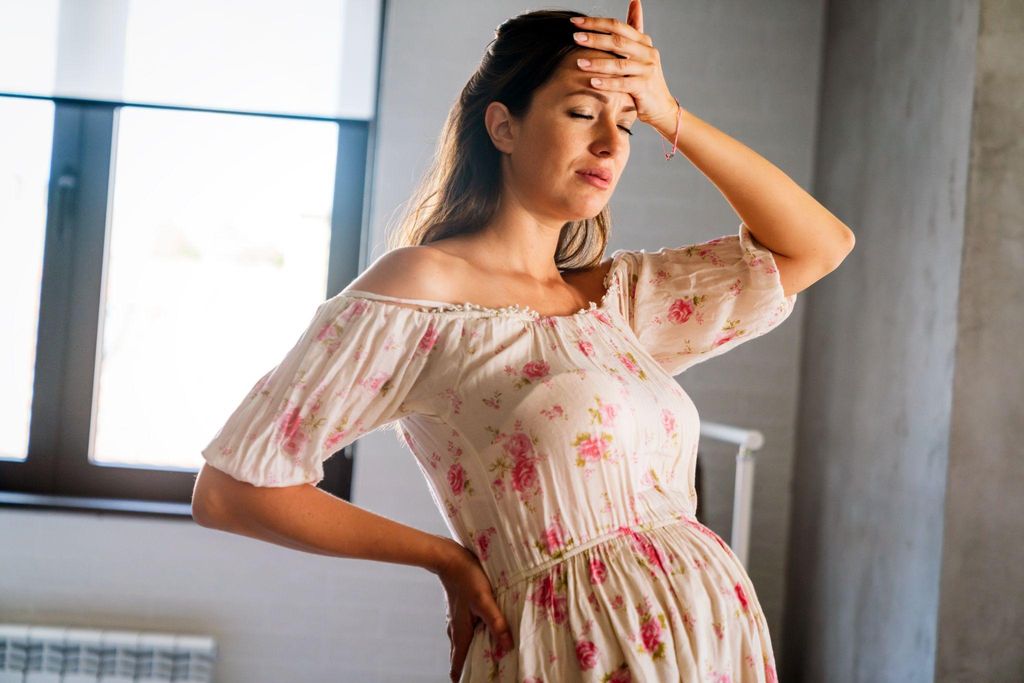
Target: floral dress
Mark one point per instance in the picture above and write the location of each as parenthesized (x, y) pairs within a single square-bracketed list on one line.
[(559, 449)]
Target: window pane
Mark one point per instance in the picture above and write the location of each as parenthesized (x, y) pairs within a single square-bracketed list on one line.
[(26, 135), (218, 254)]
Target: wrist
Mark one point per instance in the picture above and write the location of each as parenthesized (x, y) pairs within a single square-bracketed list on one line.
[(442, 553), (671, 122)]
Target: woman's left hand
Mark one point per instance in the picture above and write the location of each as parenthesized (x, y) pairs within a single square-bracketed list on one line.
[(638, 73)]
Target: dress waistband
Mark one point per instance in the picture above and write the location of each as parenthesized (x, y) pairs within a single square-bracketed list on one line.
[(530, 572)]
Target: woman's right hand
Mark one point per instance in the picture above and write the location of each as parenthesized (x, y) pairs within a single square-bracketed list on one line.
[(470, 600)]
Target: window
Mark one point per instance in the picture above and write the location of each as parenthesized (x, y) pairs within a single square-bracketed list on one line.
[(162, 251)]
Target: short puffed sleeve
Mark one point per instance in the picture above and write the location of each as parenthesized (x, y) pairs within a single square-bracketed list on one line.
[(352, 371), (691, 303)]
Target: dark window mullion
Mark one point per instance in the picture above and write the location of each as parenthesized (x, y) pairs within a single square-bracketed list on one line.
[(349, 224), (71, 309), (75, 474), (47, 428)]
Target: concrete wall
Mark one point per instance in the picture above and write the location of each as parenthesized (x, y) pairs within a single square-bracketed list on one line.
[(981, 616), (881, 426), (749, 68)]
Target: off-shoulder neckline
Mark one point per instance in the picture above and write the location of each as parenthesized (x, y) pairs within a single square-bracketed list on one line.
[(517, 311)]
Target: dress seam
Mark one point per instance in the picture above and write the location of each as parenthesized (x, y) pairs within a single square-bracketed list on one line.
[(599, 539)]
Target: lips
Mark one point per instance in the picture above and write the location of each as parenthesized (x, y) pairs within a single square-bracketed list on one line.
[(602, 173)]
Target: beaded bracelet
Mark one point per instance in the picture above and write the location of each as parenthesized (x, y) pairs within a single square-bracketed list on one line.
[(679, 119)]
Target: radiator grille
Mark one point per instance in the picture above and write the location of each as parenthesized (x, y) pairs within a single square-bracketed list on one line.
[(49, 654)]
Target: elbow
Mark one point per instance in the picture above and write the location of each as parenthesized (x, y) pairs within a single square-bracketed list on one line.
[(201, 513), (843, 250), (204, 494), (850, 240)]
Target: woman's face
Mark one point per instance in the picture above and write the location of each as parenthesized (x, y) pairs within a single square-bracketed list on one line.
[(564, 132)]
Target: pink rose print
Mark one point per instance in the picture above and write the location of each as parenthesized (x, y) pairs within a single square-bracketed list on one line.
[(553, 541), (591, 448), (694, 524), (724, 339), (769, 672), (585, 347), (586, 654), (742, 597), (598, 571), (536, 369), (518, 445), (594, 447), (521, 465), (289, 424), (646, 547), (560, 609), (553, 604), (719, 677), (482, 540), (342, 431), (524, 476), (356, 308), (494, 654), (544, 595), (680, 311), (378, 382), (294, 430), (621, 675), (554, 412), (457, 480), (628, 361), (531, 372), (650, 634), (428, 340), (688, 621), (668, 420), (604, 414)]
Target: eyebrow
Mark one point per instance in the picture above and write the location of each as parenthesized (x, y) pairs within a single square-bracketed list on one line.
[(594, 93)]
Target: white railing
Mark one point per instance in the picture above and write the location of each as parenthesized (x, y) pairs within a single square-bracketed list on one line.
[(48, 654), (748, 440)]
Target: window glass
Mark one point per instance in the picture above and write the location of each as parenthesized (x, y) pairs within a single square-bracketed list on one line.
[(217, 259)]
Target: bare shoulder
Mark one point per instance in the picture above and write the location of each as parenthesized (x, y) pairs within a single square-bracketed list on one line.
[(591, 280), (415, 272)]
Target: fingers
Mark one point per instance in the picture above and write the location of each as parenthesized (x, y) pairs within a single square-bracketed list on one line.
[(635, 15), (620, 67), (462, 636), (612, 32), (501, 634)]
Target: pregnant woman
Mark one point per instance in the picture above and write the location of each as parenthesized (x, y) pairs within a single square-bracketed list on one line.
[(532, 378)]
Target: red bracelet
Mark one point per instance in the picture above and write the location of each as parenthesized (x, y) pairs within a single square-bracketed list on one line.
[(679, 118)]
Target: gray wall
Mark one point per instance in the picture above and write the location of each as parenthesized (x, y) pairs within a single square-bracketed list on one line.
[(749, 68), (981, 615), (905, 549)]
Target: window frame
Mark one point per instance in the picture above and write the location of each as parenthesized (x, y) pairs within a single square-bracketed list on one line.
[(56, 473)]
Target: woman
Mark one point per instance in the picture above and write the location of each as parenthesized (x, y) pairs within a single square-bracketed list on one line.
[(542, 409)]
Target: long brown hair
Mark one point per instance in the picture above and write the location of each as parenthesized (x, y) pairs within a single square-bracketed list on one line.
[(460, 191)]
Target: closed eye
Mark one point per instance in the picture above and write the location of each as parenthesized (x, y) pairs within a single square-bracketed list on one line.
[(585, 116)]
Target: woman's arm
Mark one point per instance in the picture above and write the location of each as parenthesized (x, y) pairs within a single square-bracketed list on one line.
[(779, 213), (310, 519)]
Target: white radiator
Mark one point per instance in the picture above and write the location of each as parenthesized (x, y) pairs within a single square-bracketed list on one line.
[(47, 654)]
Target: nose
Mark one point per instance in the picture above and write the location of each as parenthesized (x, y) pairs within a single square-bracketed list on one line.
[(609, 140)]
